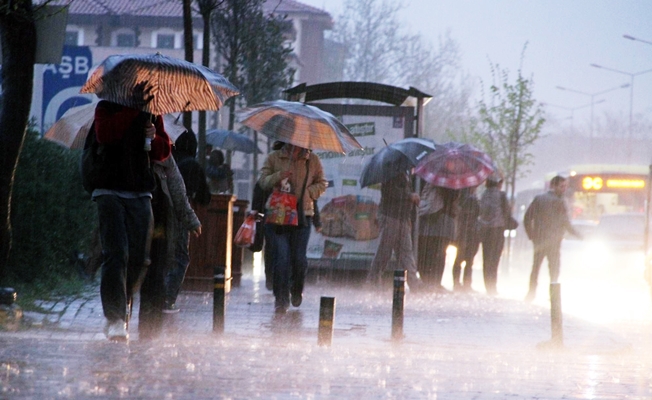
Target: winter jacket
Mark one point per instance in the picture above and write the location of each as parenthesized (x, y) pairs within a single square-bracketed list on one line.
[(546, 219), (279, 161)]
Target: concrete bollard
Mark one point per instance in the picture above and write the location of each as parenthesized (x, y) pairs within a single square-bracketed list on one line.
[(219, 305), (556, 315), (398, 303), (326, 319)]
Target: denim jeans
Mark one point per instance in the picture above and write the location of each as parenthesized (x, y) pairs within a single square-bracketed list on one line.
[(177, 273), (289, 261), (125, 233)]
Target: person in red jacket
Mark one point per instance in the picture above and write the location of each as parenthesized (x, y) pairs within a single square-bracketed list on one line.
[(129, 139)]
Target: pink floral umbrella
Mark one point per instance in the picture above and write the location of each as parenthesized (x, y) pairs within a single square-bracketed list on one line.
[(455, 166)]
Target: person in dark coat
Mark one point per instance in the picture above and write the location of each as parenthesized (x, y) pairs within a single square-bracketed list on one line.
[(545, 221), (219, 174), (397, 205), (467, 239), (123, 199), (437, 230)]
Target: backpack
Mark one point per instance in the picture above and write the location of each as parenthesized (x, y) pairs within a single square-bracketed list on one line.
[(92, 161)]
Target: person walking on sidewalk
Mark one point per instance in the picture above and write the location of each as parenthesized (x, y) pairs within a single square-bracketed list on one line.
[(197, 190), (494, 211), (123, 197), (545, 222), (467, 240), (302, 170), (172, 214), (438, 218), (397, 206)]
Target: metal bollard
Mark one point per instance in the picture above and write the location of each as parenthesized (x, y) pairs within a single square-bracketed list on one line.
[(400, 277), (219, 308), (556, 315), (326, 318)]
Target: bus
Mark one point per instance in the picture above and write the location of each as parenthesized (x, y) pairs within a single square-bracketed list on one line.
[(597, 189)]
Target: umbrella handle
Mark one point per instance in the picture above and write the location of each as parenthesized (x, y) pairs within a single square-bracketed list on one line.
[(148, 141)]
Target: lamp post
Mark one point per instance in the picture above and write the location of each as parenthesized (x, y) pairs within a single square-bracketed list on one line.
[(636, 39), (592, 96), (572, 110), (631, 100)]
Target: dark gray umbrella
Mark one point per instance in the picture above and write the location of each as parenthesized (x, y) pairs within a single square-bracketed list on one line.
[(394, 159), (229, 140)]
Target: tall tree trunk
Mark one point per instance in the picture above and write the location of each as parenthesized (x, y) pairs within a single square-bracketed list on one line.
[(205, 59), (18, 38), (188, 47)]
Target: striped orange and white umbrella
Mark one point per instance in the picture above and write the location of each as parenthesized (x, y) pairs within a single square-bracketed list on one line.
[(73, 126), (299, 124), (159, 84)]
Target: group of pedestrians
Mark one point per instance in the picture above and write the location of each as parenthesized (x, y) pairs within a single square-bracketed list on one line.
[(445, 216), (143, 185), (145, 219), (458, 217)]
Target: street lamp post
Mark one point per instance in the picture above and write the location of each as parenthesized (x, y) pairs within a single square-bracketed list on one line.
[(631, 100), (636, 39), (592, 96), (572, 110)]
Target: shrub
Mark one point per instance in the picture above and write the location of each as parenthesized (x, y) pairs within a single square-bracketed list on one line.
[(52, 215)]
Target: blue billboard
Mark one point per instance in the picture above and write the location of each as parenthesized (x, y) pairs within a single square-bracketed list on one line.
[(62, 82)]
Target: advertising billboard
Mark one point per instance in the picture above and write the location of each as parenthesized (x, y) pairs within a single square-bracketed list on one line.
[(350, 230)]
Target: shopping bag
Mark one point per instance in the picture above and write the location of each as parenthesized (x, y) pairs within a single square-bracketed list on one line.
[(247, 232), (281, 209)]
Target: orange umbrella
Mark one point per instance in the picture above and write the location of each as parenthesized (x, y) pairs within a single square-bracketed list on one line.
[(299, 124), (158, 84)]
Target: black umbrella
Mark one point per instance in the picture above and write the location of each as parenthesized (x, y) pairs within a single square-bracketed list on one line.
[(394, 159), (229, 140)]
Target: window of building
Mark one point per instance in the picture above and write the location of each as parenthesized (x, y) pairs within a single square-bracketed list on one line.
[(165, 41), (72, 38), (198, 41), (125, 40), (123, 37)]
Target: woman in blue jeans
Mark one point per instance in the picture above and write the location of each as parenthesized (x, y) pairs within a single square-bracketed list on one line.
[(302, 171)]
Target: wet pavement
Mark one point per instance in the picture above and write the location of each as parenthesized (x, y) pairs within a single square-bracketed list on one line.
[(455, 346)]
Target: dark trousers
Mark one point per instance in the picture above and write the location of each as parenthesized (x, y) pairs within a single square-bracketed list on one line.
[(551, 251), (432, 259), (466, 252), (493, 241), (289, 261), (125, 232)]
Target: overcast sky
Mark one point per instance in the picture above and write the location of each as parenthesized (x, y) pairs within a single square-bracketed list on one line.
[(565, 37)]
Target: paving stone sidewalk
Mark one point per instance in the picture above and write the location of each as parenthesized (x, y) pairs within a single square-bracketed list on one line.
[(454, 346)]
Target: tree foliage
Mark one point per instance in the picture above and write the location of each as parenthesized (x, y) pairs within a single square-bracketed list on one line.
[(252, 51), (509, 123), (377, 49)]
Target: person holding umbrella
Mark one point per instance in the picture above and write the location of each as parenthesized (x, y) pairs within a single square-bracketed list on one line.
[(123, 197), (303, 171), (467, 241), (450, 167), (438, 216), (397, 205)]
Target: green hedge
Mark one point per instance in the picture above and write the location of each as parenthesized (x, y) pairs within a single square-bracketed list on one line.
[(52, 216)]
